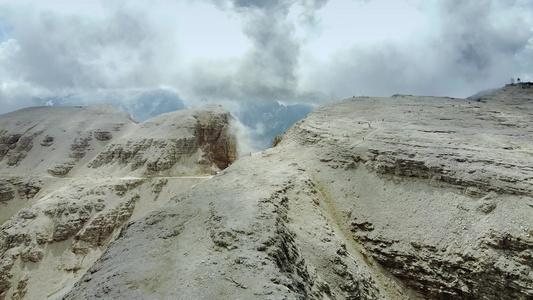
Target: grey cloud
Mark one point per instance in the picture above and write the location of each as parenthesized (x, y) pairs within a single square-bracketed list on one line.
[(465, 50), (271, 65), (476, 37), (467, 47), (470, 47), (13, 101), (71, 51), (310, 8), (274, 5), (269, 68)]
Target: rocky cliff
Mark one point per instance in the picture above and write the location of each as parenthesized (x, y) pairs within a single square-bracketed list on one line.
[(71, 177), (367, 198)]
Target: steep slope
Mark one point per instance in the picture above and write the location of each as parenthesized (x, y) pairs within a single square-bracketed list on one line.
[(442, 191), (56, 224), (368, 198)]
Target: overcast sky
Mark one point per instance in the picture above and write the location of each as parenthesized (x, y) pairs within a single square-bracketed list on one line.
[(288, 50)]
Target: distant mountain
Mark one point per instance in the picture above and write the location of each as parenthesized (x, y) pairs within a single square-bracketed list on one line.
[(150, 104), (267, 119), (141, 105)]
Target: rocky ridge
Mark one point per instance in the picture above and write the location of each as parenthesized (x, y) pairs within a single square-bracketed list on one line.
[(176, 143), (61, 138), (368, 198), (64, 197)]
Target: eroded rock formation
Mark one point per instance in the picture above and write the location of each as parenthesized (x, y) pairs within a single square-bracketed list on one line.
[(60, 210), (369, 198), (175, 143), (56, 140)]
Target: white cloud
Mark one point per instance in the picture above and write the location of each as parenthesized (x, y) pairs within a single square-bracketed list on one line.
[(287, 50)]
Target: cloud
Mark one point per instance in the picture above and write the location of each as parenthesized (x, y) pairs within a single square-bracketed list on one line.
[(484, 44), (268, 70), (310, 8), (478, 34), (244, 142), (287, 50), (456, 49), (121, 48)]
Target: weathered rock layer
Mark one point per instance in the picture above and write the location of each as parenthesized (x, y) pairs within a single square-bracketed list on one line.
[(66, 190), (369, 198), (167, 143)]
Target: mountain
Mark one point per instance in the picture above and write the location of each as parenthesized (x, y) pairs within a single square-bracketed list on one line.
[(367, 198), (267, 119), (140, 104), (150, 103), (264, 119), (71, 177)]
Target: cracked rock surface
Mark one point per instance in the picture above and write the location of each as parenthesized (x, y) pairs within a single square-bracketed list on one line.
[(368, 198), (176, 143), (62, 206)]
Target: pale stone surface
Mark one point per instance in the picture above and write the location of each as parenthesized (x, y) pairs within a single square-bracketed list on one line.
[(60, 211), (368, 198), (176, 143)]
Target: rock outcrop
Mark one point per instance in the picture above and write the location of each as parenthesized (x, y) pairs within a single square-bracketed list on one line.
[(369, 198), (176, 143), (437, 191), (63, 203)]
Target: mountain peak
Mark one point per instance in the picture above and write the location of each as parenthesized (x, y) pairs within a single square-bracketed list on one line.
[(398, 197)]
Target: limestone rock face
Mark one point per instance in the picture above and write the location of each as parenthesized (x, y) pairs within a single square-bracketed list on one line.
[(437, 191), (71, 178), (368, 198), (197, 140), (55, 140)]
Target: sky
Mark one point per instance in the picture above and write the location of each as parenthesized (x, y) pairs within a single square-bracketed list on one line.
[(292, 51)]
